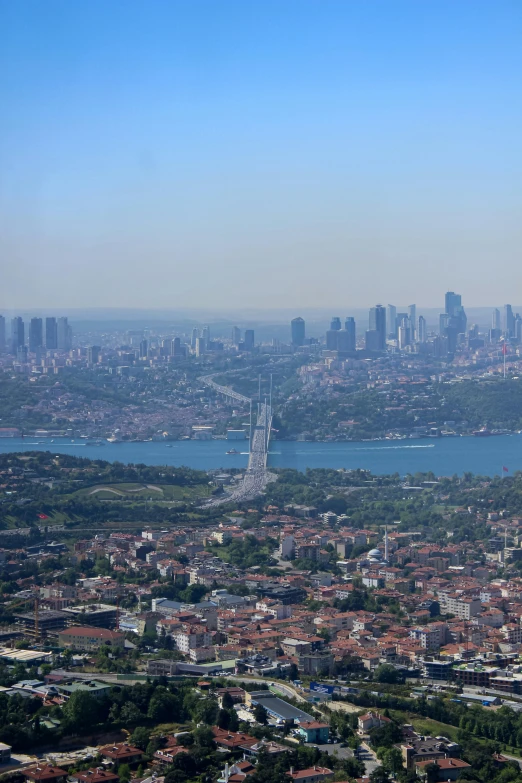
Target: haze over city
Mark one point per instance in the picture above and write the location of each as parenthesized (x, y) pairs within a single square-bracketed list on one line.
[(274, 154)]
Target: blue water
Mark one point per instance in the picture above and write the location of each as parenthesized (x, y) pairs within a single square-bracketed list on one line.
[(444, 456)]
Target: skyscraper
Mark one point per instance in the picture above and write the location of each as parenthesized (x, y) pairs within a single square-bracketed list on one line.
[(350, 327), (144, 349), (17, 334), (346, 337), (236, 335), (335, 325), (93, 354), (412, 311), (249, 340), (453, 303), (421, 329), (495, 319), (2, 333), (176, 346), (332, 341), (392, 322), (509, 321), (63, 334), (35, 334), (457, 316), (297, 327), (51, 334), (206, 334), (378, 324)]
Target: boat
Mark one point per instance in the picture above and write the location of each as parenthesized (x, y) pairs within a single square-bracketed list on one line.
[(233, 451), (482, 433)]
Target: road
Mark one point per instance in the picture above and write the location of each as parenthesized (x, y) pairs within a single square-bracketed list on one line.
[(286, 690), (208, 380), (369, 758), (256, 476)]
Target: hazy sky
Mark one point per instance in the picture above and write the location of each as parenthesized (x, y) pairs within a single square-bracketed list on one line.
[(265, 152)]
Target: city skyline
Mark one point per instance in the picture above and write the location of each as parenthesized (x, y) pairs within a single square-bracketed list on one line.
[(172, 154)]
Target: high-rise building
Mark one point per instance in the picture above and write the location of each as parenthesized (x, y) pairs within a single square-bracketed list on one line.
[(509, 321), (412, 312), (93, 354), (166, 346), (298, 331), (332, 339), (17, 334), (346, 337), (200, 346), (35, 334), (457, 316), (404, 333), (21, 354), (63, 334), (392, 321), (518, 328), (176, 346), (51, 334), (421, 329), (495, 319), (206, 334), (144, 349), (453, 303), (378, 324), (403, 338), (249, 340), (335, 325), (350, 327), (2, 333), (195, 335), (236, 335), (372, 340)]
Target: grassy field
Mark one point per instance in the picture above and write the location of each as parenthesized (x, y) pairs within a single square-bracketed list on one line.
[(158, 492), (433, 728)]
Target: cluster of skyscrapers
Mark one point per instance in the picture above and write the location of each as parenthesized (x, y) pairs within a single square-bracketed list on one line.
[(406, 331), (49, 334)]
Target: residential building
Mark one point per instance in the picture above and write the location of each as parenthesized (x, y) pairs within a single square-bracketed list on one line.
[(89, 639)]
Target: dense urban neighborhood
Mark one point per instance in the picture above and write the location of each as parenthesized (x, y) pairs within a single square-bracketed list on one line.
[(339, 626)]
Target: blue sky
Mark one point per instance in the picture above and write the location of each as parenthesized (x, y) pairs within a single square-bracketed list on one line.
[(298, 152)]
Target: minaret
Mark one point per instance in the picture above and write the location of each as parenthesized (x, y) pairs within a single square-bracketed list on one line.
[(386, 543)]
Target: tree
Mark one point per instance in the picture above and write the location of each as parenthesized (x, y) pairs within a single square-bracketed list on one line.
[(203, 737), (227, 702), (124, 773), (185, 763), (81, 711), (130, 713), (234, 721), (379, 775), (163, 705), (223, 719), (260, 714), (293, 672), (140, 737), (391, 760), (387, 674), (432, 772)]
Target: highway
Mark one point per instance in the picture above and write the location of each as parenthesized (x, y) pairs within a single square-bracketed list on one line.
[(208, 380), (256, 476)]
